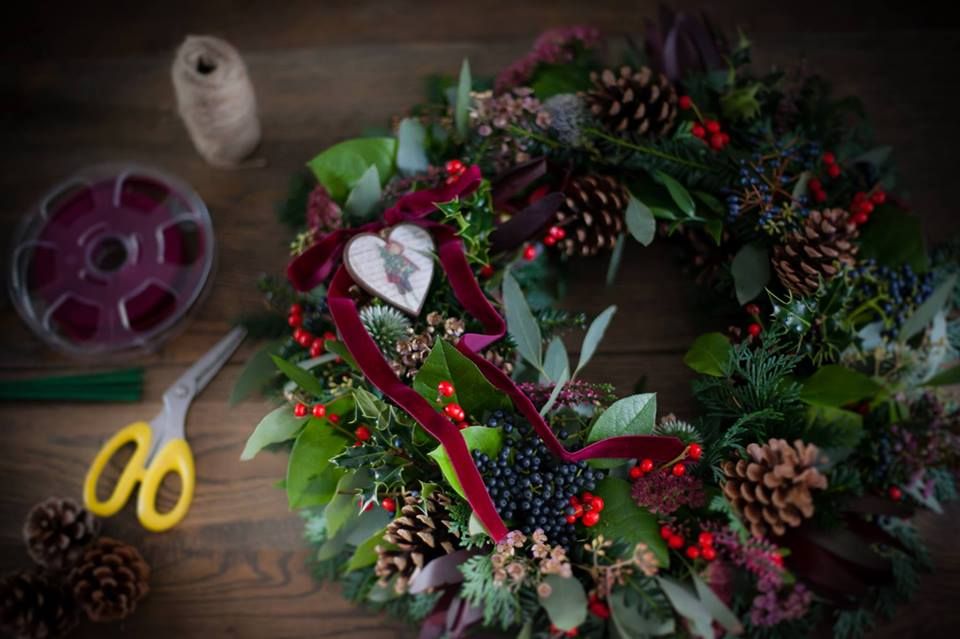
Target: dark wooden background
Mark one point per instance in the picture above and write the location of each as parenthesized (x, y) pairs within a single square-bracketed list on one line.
[(81, 84)]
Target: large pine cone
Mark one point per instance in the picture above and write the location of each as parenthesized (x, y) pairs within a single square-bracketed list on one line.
[(110, 579), (592, 214), (772, 488), (34, 606), (640, 102), (57, 531), (419, 535), (816, 251)]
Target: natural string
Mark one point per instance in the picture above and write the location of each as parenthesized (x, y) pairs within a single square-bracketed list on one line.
[(216, 101)]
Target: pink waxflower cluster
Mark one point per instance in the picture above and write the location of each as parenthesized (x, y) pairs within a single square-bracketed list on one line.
[(663, 493), (554, 46), (575, 393), (323, 213)]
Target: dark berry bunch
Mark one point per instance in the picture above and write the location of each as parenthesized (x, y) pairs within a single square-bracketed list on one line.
[(530, 487), (901, 291)]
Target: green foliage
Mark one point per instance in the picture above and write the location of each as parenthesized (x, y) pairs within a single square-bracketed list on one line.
[(481, 438), (500, 605), (472, 390), (386, 326), (340, 167), (257, 373), (309, 460), (741, 103), (640, 222), (567, 604), (894, 238), (709, 354), (835, 386), (292, 212), (634, 415), (751, 272), (279, 425), (624, 521), (461, 108), (302, 378)]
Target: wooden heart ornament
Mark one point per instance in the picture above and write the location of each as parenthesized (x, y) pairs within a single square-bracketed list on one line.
[(397, 269)]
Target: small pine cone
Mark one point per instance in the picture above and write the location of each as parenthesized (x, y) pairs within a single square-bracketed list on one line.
[(419, 535), (816, 251), (772, 489), (110, 579), (499, 361), (35, 606), (412, 351), (592, 214), (640, 102), (57, 531)]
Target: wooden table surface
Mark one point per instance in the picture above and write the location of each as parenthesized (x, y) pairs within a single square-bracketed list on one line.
[(81, 85)]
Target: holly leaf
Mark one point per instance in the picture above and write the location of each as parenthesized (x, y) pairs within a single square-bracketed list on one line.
[(479, 438), (624, 521), (709, 354), (566, 605), (834, 385), (279, 425), (471, 389), (751, 271), (340, 167)]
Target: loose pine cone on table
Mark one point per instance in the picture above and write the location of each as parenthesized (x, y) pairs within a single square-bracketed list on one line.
[(592, 214), (641, 102), (816, 251), (772, 489), (57, 531), (35, 606), (110, 579), (419, 535)]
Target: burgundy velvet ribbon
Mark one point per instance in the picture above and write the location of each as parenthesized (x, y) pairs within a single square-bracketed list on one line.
[(452, 258)]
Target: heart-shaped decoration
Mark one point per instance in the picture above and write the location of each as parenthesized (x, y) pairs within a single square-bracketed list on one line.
[(397, 269)]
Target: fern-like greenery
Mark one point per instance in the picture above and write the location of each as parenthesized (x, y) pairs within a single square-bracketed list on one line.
[(501, 606)]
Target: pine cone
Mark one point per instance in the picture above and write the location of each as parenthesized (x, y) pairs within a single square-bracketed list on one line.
[(110, 579), (417, 537), (411, 352), (772, 488), (57, 531), (816, 251), (34, 606), (591, 214), (639, 102)]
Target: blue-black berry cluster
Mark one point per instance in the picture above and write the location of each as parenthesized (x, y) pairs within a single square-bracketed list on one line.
[(902, 289), (530, 487)]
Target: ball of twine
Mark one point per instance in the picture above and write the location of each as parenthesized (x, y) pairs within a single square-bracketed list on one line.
[(216, 101)]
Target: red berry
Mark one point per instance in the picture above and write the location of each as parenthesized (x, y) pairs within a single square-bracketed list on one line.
[(571, 519), (300, 410), (685, 102), (573, 632), (878, 197), (678, 469), (295, 309), (814, 184), (754, 330), (549, 240), (587, 497), (860, 218), (867, 207), (538, 193), (895, 493), (820, 196), (597, 504), (693, 552), (752, 310), (646, 465), (574, 501), (599, 609), (454, 167), (636, 473), (486, 271), (455, 412), (713, 126), (675, 542), (530, 252), (578, 511), (389, 504), (295, 321), (319, 410), (705, 539), (297, 334), (859, 196), (591, 518), (369, 505), (446, 388), (330, 335), (829, 158), (333, 418), (708, 553), (558, 232), (698, 131), (725, 137), (362, 433), (316, 347), (716, 141), (306, 340), (777, 559), (695, 451), (833, 170), (665, 532)]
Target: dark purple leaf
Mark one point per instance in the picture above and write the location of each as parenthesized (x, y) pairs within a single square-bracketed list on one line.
[(525, 224), (460, 616), (442, 571), (874, 505), (513, 181)]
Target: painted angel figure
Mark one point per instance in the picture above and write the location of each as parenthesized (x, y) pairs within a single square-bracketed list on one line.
[(397, 266)]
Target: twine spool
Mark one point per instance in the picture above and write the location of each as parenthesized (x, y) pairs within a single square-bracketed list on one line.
[(216, 101)]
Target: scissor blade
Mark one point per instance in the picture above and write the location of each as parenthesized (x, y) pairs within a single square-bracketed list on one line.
[(199, 375)]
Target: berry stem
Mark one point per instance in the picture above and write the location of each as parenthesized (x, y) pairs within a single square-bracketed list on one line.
[(649, 150)]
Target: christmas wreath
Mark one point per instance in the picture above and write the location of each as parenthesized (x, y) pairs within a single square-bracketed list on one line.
[(454, 470)]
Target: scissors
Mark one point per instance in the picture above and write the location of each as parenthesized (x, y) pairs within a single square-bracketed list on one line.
[(161, 447)]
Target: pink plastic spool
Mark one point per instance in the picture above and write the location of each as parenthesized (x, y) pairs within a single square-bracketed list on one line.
[(111, 260)]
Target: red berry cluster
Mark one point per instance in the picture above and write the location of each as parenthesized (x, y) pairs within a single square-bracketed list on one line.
[(586, 508), (486, 271), (453, 410), (863, 205), (830, 163), (703, 549), (598, 607), (304, 337), (554, 235), (454, 168), (529, 252), (362, 433), (641, 468), (556, 632), (815, 187), (317, 410), (711, 133)]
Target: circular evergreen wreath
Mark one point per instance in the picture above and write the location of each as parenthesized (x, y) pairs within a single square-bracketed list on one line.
[(453, 469)]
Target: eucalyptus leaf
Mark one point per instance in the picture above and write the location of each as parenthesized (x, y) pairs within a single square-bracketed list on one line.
[(521, 323), (279, 425), (616, 256), (556, 362), (364, 196), (311, 454), (709, 354), (834, 385), (255, 374), (475, 526), (479, 438), (800, 188), (566, 605), (302, 378), (718, 610), (751, 271), (640, 221), (471, 389), (628, 621), (461, 114), (946, 377), (925, 314), (634, 415), (557, 387), (678, 192), (595, 333), (625, 521), (411, 147), (342, 165), (688, 605)]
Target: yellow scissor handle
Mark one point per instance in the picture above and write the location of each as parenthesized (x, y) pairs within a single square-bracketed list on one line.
[(174, 457)]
